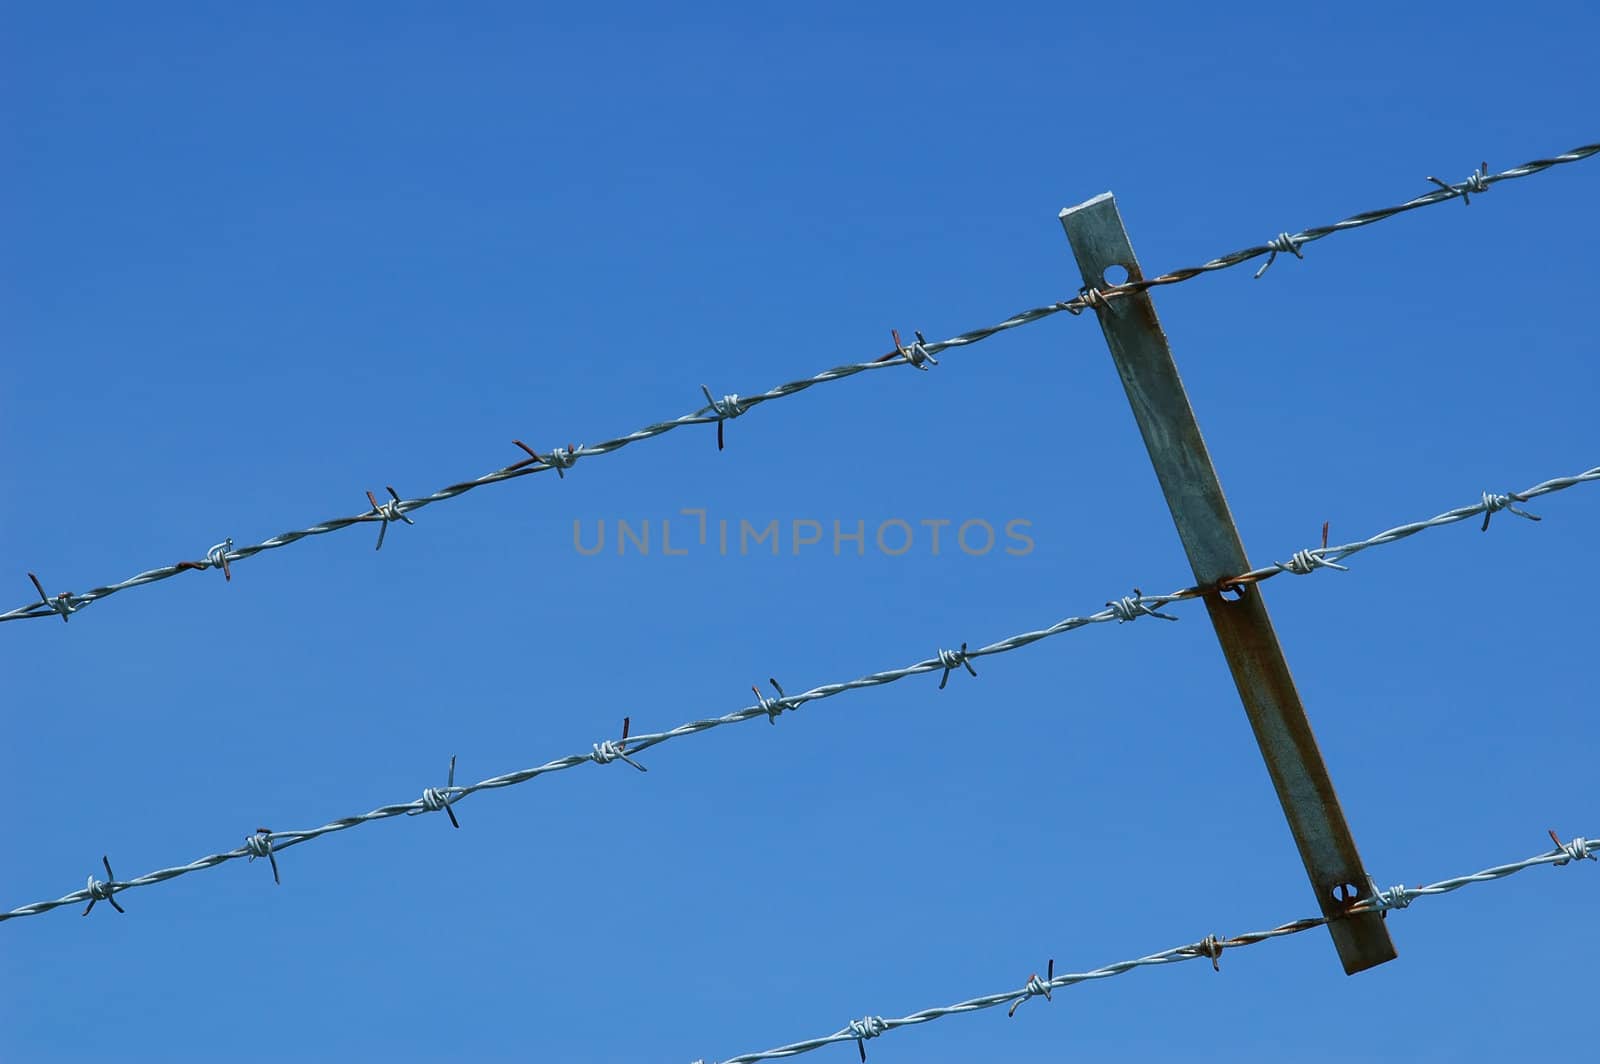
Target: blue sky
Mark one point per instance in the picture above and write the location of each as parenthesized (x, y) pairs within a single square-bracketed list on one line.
[(258, 263)]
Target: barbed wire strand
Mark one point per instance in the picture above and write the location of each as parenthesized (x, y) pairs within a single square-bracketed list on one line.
[(716, 411), (1211, 947), (1122, 610)]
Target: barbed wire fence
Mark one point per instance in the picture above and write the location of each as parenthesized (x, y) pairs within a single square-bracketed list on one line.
[(1127, 608), (1211, 947), (920, 353)]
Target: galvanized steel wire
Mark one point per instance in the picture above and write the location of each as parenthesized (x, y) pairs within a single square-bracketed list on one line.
[(717, 411), (268, 844), (1211, 947)]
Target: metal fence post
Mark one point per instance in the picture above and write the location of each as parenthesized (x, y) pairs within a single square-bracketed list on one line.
[(1199, 509)]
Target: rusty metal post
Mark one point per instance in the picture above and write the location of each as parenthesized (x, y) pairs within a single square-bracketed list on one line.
[(1194, 495)]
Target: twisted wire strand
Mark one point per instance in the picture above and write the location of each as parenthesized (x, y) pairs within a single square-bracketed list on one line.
[(1292, 242), (1211, 947), (715, 412), (1305, 561), (1123, 610)]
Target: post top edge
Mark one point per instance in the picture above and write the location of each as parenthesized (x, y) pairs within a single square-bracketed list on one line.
[(1065, 211)]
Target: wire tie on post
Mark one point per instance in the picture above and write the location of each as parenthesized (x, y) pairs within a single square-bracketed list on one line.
[(1493, 503), (771, 706), (62, 603), (217, 557), (1474, 183), (1284, 242), (435, 798), (865, 1028), (916, 353), (729, 406), (612, 749), (1132, 607), (260, 845), (1036, 987), (99, 891), (1576, 850), (954, 659), (389, 511)]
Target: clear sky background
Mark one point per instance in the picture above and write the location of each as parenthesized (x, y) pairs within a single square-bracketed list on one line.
[(259, 262)]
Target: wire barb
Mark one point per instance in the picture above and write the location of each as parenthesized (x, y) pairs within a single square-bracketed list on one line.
[(1089, 298), (771, 706), (954, 659), (1475, 182), (1035, 988), (1210, 946), (437, 798), (1493, 503), (532, 459), (260, 845), (865, 1028), (1576, 850), (217, 558), (560, 459), (393, 510), (1304, 562), (62, 604), (614, 749), (1284, 242), (103, 891), (1132, 607), (1396, 897), (728, 407), (916, 353)]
